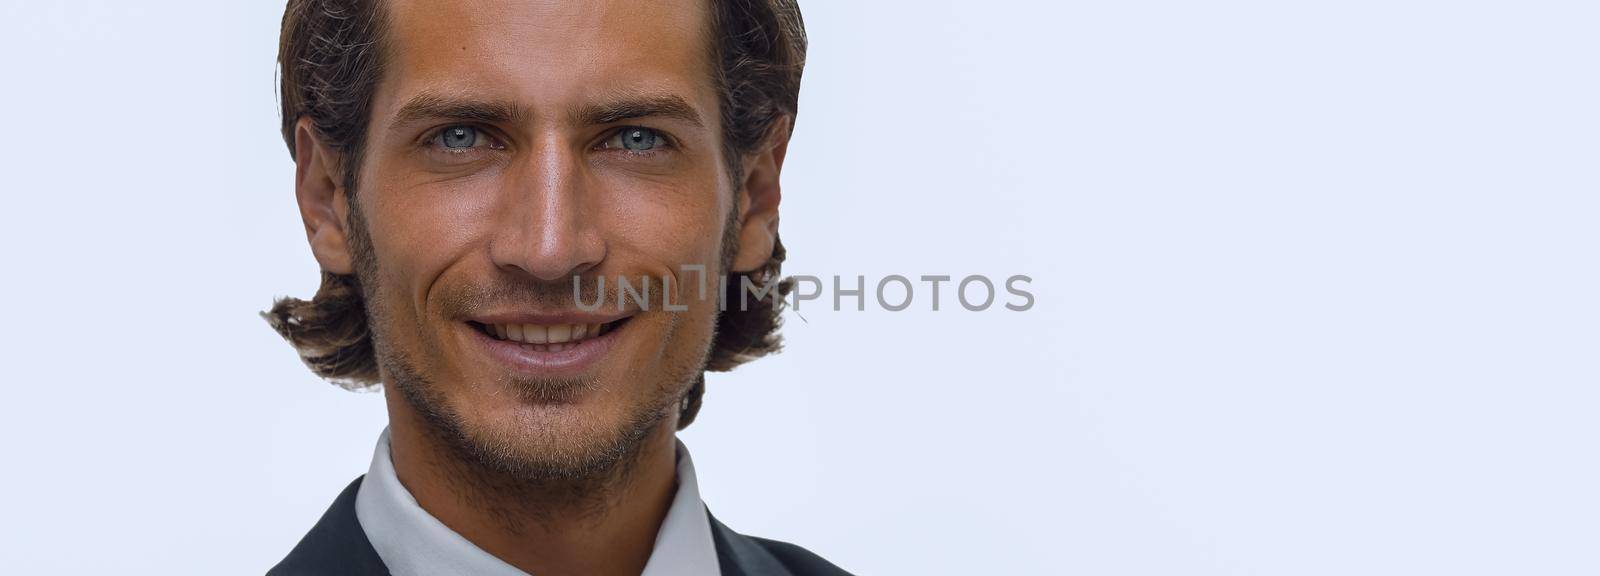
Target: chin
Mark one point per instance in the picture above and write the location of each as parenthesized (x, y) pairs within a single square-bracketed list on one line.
[(576, 439), (533, 413)]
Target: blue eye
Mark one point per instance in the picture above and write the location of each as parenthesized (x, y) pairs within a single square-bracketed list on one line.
[(636, 139), (459, 137)]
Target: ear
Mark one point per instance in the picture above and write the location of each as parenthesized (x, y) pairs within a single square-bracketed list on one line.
[(758, 202), (324, 205)]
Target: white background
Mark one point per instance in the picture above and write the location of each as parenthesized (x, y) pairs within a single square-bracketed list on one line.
[(1316, 294)]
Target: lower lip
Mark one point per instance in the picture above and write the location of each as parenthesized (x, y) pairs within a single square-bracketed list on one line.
[(574, 361)]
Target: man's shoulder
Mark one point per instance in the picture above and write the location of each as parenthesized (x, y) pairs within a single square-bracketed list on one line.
[(798, 560), (335, 545), (741, 555)]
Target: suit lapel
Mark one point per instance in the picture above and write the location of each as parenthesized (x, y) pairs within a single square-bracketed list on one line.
[(738, 555), (335, 546)]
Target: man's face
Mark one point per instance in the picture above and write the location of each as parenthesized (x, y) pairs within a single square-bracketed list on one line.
[(512, 146)]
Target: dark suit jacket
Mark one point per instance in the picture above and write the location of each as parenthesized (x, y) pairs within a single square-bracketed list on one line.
[(338, 546)]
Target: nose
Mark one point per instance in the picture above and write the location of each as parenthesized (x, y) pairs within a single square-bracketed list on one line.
[(547, 227)]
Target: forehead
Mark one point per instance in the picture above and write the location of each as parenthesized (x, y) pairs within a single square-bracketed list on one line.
[(547, 52)]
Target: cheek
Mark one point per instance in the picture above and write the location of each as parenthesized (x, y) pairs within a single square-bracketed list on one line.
[(416, 231), (670, 223)]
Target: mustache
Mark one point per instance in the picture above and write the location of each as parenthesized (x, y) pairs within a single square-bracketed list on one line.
[(508, 291)]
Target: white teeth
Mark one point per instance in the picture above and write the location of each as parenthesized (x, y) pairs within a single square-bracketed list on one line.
[(534, 334), (561, 333), (557, 336)]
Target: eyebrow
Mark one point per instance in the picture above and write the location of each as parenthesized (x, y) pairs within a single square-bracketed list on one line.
[(434, 106), (632, 106)]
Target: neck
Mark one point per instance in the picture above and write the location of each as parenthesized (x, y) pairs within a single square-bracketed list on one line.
[(602, 525)]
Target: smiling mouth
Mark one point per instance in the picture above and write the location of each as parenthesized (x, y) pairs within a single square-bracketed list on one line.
[(547, 337)]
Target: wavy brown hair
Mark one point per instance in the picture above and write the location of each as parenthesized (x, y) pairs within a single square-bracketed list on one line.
[(330, 58)]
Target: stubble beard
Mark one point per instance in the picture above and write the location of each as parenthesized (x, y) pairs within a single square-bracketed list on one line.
[(517, 472)]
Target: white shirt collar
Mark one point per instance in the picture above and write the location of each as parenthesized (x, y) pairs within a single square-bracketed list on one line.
[(412, 542)]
